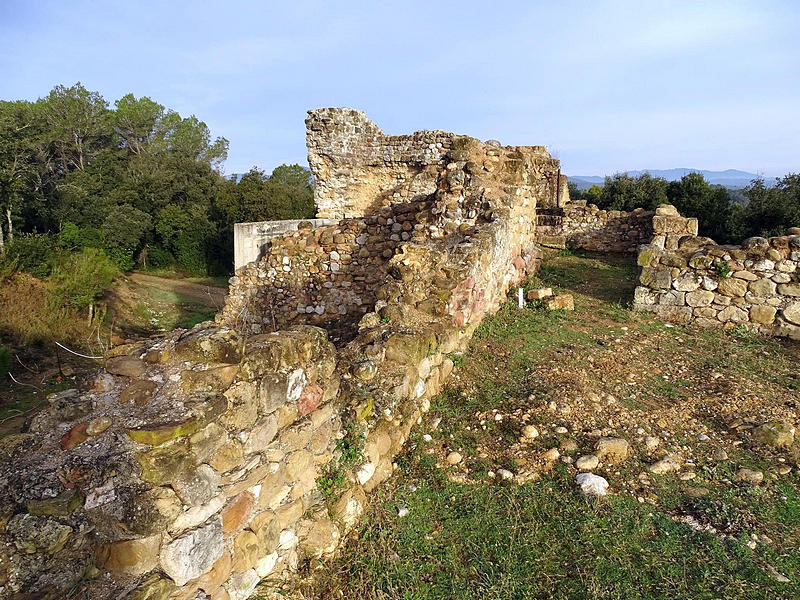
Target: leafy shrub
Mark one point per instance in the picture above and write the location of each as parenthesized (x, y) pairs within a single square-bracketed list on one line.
[(8, 265), (72, 237), (158, 258), (190, 252), (33, 254), (5, 362), (80, 278)]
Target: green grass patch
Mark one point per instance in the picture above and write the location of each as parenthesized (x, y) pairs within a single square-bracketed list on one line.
[(544, 540)]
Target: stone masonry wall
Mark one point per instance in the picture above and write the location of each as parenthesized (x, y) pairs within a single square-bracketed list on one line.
[(589, 228), (194, 465), (330, 276), (689, 279), (343, 143), (323, 275), (251, 240)]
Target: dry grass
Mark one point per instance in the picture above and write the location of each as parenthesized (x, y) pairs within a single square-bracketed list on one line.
[(27, 320)]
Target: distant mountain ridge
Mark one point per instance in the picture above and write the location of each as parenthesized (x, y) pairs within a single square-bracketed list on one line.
[(730, 178)]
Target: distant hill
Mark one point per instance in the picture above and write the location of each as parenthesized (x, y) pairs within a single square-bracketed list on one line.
[(730, 178)]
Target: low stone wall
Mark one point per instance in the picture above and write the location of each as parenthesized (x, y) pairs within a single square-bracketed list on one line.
[(199, 463), (589, 228), (251, 240), (689, 279)]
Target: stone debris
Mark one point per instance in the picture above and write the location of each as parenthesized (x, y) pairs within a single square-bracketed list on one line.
[(612, 450), (560, 302), (539, 294), (454, 458), (749, 476), (530, 432), (668, 464), (588, 462), (592, 485)]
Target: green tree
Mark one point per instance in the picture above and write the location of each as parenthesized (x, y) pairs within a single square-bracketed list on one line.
[(136, 122), (769, 210), (693, 196), (623, 192), (18, 163), (123, 232), (79, 124)]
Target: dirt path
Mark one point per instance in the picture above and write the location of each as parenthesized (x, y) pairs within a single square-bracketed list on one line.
[(212, 296)]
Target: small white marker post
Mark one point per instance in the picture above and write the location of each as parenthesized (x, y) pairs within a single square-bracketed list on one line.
[(519, 298)]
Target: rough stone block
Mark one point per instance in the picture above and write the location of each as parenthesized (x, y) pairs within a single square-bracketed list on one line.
[(762, 314), (194, 553)]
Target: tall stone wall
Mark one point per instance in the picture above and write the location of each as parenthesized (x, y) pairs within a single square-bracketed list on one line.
[(343, 144), (330, 276), (685, 278), (199, 463)]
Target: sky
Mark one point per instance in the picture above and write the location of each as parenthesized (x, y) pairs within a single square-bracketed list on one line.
[(607, 86)]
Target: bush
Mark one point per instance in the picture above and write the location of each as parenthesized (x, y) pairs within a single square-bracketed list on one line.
[(123, 230), (5, 362), (80, 278), (33, 254), (158, 258), (72, 237)]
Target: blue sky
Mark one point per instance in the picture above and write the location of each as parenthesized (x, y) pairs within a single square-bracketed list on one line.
[(607, 86)]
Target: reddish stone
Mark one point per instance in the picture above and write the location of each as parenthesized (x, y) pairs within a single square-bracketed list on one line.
[(237, 511), (459, 319), (309, 400), (76, 435), (519, 263)]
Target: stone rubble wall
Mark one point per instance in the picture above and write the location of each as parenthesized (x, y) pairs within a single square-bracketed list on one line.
[(685, 278), (321, 276), (589, 228), (194, 465)]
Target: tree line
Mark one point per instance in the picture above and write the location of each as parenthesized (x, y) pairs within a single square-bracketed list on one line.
[(727, 216), (134, 184)]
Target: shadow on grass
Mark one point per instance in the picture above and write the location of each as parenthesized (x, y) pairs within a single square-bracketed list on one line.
[(608, 278)]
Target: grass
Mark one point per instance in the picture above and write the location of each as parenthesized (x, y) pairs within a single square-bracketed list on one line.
[(171, 273), (543, 540), (469, 535)]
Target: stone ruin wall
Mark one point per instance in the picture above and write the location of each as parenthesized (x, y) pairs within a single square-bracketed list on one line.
[(358, 169), (330, 275), (686, 278), (189, 467), (587, 227)]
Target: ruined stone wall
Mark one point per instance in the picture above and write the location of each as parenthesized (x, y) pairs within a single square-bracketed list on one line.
[(323, 275), (343, 145), (196, 464), (589, 228), (689, 279), (330, 276)]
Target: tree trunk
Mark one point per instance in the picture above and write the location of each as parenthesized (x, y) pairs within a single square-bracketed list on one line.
[(10, 226), (2, 241)]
